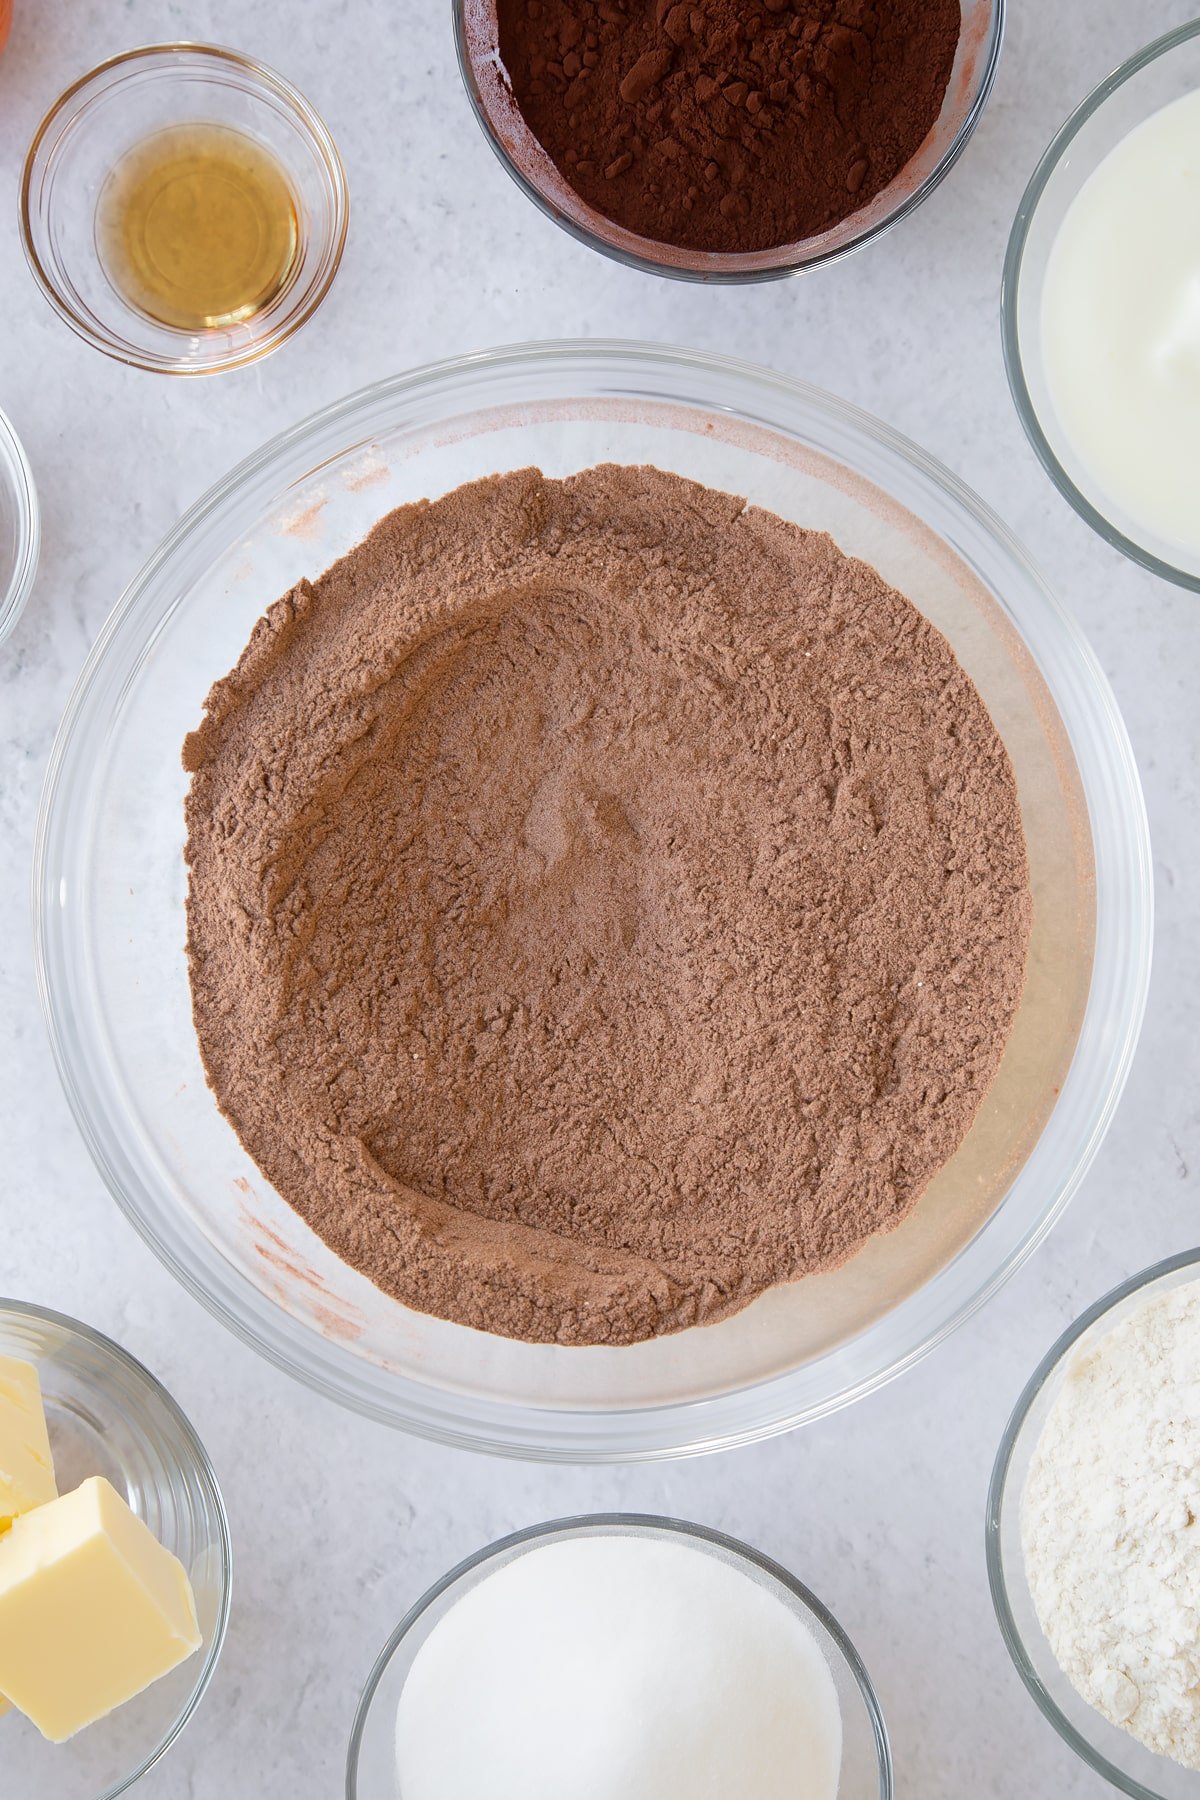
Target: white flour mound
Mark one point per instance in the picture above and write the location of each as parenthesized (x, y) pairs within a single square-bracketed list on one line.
[(1110, 1521), (619, 1668)]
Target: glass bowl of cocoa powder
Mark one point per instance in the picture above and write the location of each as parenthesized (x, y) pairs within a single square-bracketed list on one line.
[(111, 889), (725, 144)]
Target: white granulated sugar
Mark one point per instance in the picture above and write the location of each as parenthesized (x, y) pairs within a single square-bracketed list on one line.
[(622, 1666), (1110, 1521)]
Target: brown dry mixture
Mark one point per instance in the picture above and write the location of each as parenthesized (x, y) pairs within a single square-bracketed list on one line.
[(729, 125), (607, 900)]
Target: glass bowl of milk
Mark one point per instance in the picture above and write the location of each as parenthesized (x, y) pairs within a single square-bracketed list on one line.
[(1101, 308), (619, 1654)]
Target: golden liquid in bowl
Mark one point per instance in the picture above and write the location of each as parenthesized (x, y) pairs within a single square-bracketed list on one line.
[(197, 227)]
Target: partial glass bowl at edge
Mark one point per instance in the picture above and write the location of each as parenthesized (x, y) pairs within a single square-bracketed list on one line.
[(1113, 1753), (519, 152), (1163, 71), (107, 1415), (20, 528), (866, 1772), (110, 890)]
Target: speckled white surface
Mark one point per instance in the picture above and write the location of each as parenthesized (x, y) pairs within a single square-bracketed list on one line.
[(338, 1524)]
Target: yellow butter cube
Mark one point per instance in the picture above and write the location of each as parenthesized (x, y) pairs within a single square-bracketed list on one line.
[(92, 1610), (26, 1467)]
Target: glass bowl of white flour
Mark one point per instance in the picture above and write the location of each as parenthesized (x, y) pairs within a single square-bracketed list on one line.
[(1093, 1534)]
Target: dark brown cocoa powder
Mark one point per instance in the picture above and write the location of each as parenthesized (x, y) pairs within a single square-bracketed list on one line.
[(729, 125), (606, 901)]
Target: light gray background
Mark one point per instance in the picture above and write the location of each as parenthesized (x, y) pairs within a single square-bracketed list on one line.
[(339, 1524)]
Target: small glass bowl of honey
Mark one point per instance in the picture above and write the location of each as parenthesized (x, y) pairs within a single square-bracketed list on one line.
[(183, 208)]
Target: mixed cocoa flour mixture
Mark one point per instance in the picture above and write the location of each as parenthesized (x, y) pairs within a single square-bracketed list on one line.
[(607, 900), (729, 125)]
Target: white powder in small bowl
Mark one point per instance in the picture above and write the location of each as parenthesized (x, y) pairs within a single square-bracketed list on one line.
[(1110, 1524), (598, 1666)]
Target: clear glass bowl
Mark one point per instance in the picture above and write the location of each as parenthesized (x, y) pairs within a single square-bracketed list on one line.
[(117, 105), (1160, 73), (110, 891), (20, 528), (1124, 1762), (108, 1416), (866, 1756), (475, 34)]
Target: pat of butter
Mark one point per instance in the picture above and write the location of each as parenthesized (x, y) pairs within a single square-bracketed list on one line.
[(92, 1610), (26, 1468)]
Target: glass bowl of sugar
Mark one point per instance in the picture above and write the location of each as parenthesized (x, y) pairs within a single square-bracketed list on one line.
[(1101, 308), (1093, 1540), (619, 1653)]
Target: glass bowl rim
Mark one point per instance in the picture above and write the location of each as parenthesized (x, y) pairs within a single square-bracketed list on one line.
[(208, 1478), (705, 1425), (1014, 1643), (1010, 286), (29, 527), (639, 1524), (726, 268), (315, 130)]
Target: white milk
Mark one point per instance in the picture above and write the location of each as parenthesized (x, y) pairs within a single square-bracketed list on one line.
[(1121, 328), (628, 1666)]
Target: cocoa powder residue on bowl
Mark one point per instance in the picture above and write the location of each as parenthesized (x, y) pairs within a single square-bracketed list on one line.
[(607, 900), (722, 126)]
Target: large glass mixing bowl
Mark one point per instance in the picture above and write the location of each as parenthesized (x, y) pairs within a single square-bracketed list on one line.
[(110, 890)]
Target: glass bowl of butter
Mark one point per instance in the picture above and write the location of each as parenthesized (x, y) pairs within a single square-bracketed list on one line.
[(115, 1564), (1101, 308)]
